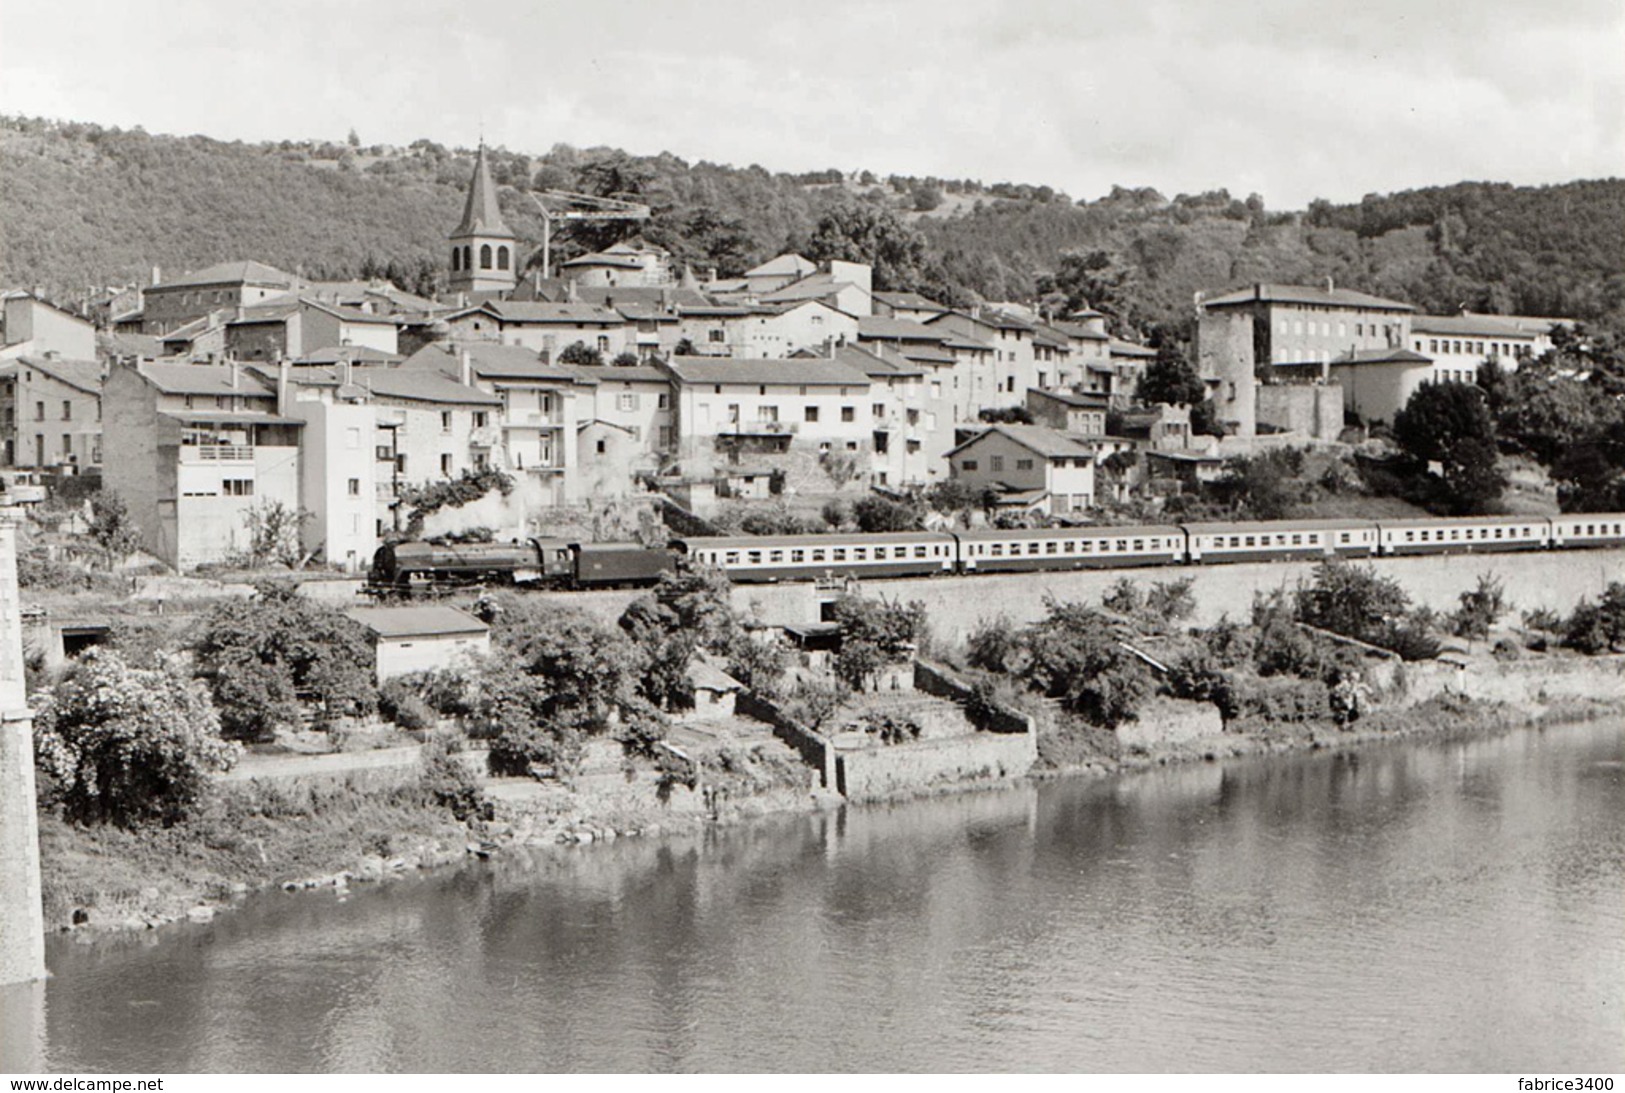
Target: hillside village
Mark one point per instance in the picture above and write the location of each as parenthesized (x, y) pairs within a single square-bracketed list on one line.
[(222, 400)]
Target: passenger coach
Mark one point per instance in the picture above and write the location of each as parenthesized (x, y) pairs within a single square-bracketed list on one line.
[(1464, 534), (1014, 549), (791, 557), (1264, 542), (1589, 529)]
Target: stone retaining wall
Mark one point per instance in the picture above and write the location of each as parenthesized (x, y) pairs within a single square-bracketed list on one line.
[(870, 773), (814, 749)]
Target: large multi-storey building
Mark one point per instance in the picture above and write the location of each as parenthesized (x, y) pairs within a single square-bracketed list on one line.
[(219, 288)]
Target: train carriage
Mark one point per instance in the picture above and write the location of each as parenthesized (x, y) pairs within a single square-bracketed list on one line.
[(1013, 550), (1588, 529), (758, 558), (1261, 541), (1463, 535)]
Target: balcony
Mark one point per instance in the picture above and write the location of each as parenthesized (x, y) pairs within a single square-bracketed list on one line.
[(217, 453), (486, 436), (533, 419), (759, 428)]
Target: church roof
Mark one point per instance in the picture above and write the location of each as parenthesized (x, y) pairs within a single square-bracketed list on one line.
[(481, 213)]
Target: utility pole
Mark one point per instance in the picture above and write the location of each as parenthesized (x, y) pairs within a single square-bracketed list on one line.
[(22, 914)]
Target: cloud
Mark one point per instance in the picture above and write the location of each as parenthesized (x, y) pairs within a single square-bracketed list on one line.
[(1291, 99)]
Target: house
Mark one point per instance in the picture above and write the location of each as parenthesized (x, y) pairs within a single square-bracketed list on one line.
[(338, 469), (51, 412), (1377, 383), (1009, 337), (626, 263), (1460, 343), (1240, 332), (843, 286), (774, 274), (545, 327), (36, 326), (421, 638), (193, 450), (222, 287), (1043, 467), (534, 433), (907, 305), (296, 326), (633, 398), (1068, 412), (735, 405), (710, 691), (909, 432)]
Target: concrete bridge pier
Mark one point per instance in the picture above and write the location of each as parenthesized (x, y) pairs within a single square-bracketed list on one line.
[(22, 915)]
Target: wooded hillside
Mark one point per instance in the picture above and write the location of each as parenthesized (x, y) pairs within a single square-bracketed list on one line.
[(86, 205)]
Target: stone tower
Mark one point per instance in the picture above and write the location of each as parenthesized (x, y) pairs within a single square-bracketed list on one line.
[(483, 255), (22, 916)]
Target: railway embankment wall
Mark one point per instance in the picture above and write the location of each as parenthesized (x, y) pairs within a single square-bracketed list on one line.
[(956, 605)]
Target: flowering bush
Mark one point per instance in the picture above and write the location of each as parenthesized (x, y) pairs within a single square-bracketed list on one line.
[(129, 745)]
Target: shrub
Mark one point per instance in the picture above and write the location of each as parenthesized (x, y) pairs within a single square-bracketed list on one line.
[(399, 703), (876, 514), (1281, 699), (450, 784), (129, 746), (537, 751), (1480, 609)]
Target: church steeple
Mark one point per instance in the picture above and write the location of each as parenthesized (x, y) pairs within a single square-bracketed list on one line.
[(482, 247)]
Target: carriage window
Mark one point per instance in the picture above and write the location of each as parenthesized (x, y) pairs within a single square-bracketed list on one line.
[(1314, 540), (1086, 547), (1070, 547), (1051, 547), (1139, 544), (798, 555), (754, 557), (997, 550), (732, 558), (1410, 536), (919, 551), (880, 554), (1122, 545), (860, 554), (1297, 540), (1591, 529), (1424, 535), (838, 554), (1497, 533), (775, 556), (818, 555), (1235, 540), (1342, 537), (1032, 548), (1252, 540)]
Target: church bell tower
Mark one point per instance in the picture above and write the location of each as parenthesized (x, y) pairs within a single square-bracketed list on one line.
[(483, 255)]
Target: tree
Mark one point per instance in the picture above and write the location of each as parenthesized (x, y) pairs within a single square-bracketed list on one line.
[(1005, 415), (1075, 655), (129, 746), (876, 514), (625, 359), (111, 526), (861, 231), (1095, 279), (273, 533), (1480, 608), (579, 353), (1170, 380), (875, 633), (262, 657), (1450, 424)]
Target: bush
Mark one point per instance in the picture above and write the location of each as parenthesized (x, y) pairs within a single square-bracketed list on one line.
[(537, 751), (890, 728), (876, 514), (1280, 699), (450, 784), (129, 746), (1480, 609), (399, 703)]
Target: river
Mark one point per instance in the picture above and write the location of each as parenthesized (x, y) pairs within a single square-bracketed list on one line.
[(1416, 907)]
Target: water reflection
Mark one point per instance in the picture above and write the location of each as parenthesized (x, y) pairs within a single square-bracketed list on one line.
[(1448, 907)]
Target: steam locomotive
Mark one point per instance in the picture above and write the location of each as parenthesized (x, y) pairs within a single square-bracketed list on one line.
[(407, 567)]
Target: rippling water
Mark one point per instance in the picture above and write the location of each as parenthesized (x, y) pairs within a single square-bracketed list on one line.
[(1441, 907)]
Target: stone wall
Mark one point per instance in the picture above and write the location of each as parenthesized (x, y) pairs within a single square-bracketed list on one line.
[(813, 748), (935, 679), (871, 773), (1538, 679), (1163, 720), (1312, 410)]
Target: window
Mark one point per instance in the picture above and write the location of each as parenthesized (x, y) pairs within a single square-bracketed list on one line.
[(601, 447), (39, 408), (878, 409), (849, 413), (456, 259), (767, 413), (502, 258), (967, 464), (485, 256), (445, 421), (238, 487), (996, 463), (716, 335), (664, 402), (810, 414), (1024, 464), (67, 410), (603, 343), (626, 401), (355, 487), (445, 464)]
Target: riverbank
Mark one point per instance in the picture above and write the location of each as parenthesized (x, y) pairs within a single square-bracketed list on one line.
[(106, 879)]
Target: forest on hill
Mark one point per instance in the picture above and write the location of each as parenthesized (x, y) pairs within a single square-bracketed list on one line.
[(90, 206)]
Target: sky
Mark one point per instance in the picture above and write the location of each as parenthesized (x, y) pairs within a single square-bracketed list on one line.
[(1293, 100)]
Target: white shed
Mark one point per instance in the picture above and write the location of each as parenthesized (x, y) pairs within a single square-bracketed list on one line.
[(415, 639)]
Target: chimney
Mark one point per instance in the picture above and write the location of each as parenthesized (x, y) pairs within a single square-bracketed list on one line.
[(465, 368), (157, 275), (1331, 286), (236, 374), (345, 375), (282, 377)]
